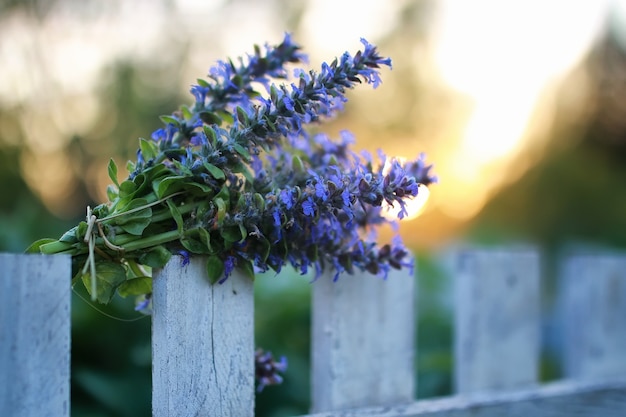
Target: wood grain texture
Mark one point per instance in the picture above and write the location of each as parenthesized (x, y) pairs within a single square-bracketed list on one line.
[(363, 341), (561, 399), (34, 335), (593, 315), (496, 320), (202, 343)]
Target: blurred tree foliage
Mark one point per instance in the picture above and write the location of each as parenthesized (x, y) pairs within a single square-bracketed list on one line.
[(575, 192)]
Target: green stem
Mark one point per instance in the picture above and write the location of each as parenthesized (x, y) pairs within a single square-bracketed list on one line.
[(56, 247), (127, 241), (167, 215), (136, 268), (149, 241), (136, 209)]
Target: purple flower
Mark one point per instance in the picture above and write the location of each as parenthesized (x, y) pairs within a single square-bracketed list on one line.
[(320, 191), (276, 217), (288, 102), (345, 196), (267, 369), (185, 258), (229, 265), (143, 304), (200, 93), (308, 207)]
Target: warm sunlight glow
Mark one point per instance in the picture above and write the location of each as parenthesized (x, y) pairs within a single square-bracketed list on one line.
[(502, 55)]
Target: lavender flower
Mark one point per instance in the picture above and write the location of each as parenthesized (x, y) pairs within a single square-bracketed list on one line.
[(267, 370), (237, 177)]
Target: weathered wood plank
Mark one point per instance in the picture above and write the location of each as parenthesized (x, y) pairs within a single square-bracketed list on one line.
[(202, 343), (34, 335), (561, 399), (496, 320), (363, 341), (593, 312)]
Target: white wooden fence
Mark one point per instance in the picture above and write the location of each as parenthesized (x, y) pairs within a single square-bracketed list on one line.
[(363, 332)]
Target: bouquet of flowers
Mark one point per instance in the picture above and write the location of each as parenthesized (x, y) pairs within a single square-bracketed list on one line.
[(237, 178)]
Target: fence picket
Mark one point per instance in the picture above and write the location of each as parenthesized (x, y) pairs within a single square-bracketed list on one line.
[(497, 320), (202, 343), (34, 335), (593, 288), (363, 341), (363, 344)]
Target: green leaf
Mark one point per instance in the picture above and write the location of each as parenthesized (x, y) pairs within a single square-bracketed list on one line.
[(178, 218), (197, 241), (210, 118), (224, 194), (214, 268), (259, 202), (113, 172), (232, 234), (270, 123), (205, 238), (245, 266), (135, 223), (170, 120), (242, 116), (203, 83), (210, 134), (148, 149), (197, 188), (242, 151), (187, 113), (81, 230), (243, 231), (263, 248), (226, 116), (297, 165), (70, 236), (194, 245), (168, 185), (221, 209), (217, 173), (109, 275), (237, 80), (34, 247), (112, 192), (274, 94), (135, 286), (127, 189), (157, 257)]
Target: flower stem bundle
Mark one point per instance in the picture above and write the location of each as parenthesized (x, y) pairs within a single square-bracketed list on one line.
[(238, 178)]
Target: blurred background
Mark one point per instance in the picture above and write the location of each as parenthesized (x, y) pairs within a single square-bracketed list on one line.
[(521, 105)]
